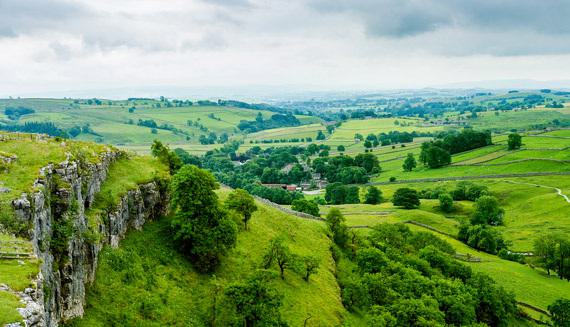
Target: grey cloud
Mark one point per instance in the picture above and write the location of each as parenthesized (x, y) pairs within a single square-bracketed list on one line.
[(230, 3), (402, 18), (23, 16), (155, 32)]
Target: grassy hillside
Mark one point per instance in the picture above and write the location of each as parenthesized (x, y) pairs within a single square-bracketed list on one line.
[(159, 286), (116, 122)]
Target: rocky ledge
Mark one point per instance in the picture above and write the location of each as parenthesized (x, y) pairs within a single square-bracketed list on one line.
[(65, 242)]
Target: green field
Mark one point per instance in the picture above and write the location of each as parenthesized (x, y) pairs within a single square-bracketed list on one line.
[(112, 122), (519, 120)]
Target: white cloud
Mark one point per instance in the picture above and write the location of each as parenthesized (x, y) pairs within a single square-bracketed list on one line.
[(50, 45)]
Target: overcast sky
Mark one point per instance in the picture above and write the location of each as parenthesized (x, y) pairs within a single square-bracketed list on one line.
[(63, 46)]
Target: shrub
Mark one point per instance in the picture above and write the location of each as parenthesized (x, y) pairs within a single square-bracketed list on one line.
[(406, 197)]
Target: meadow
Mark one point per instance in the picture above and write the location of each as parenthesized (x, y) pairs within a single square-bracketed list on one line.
[(115, 122)]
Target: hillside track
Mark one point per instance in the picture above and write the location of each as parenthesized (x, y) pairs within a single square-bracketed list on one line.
[(462, 178), (558, 191)]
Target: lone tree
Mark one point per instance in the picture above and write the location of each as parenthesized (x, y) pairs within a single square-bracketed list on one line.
[(310, 266), (203, 228), (279, 253), (445, 202), (336, 223), (406, 197), (373, 195), (560, 312), (487, 212), (242, 202), (515, 141), (341, 148), (255, 301), (410, 162)]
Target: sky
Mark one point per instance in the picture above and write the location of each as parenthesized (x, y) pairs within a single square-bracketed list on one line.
[(142, 47)]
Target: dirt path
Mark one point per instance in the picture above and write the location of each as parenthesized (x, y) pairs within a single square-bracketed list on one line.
[(558, 191)]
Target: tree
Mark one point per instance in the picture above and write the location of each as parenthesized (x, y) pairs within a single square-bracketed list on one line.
[(341, 148), (321, 136), (406, 197), (371, 260), (167, 157), (242, 202), (352, 195), (335, 193), (434, 156), (352, 175), (487, 212), (367, 144), (481, 237), (445, 202), (368, 161), (337, 225), (255, 301), (310, 265), (373, 195), (409, 163), (203, 228), (306, 206), (560, 312), (515, 141), (279, 253)]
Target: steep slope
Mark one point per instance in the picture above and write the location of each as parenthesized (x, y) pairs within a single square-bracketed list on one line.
[(148, 283), (67, 219)]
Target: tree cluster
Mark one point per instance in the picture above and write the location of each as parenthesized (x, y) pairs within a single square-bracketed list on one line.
[(552, 252), (404, 278), (276, 121)]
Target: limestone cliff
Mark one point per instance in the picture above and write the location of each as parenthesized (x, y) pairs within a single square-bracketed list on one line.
[(65, 241)]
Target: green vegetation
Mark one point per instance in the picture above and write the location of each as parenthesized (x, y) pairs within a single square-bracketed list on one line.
[(159, 286), (203, 227), (120, 180), (406, 197)]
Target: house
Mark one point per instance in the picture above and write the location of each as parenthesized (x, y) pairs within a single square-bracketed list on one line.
[(291, 187), (321, 183)]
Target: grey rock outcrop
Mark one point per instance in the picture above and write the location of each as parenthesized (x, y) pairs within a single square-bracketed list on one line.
[(63, 194)]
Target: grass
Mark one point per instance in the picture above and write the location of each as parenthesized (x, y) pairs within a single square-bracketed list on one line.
[(17, 274), (113, 123), (8, 304), (121, 179), (32, 156), (159, 286), (287, 133), (519, 120)]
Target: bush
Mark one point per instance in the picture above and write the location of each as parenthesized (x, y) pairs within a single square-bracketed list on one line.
[(306, 206), (445, 202), (373, 195), (407, 198), (487, 212)]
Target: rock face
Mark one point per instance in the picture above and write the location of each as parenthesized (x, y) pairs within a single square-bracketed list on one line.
[(66, 243)]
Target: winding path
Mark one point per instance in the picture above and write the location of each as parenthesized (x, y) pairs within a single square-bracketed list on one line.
[(558, 191)]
